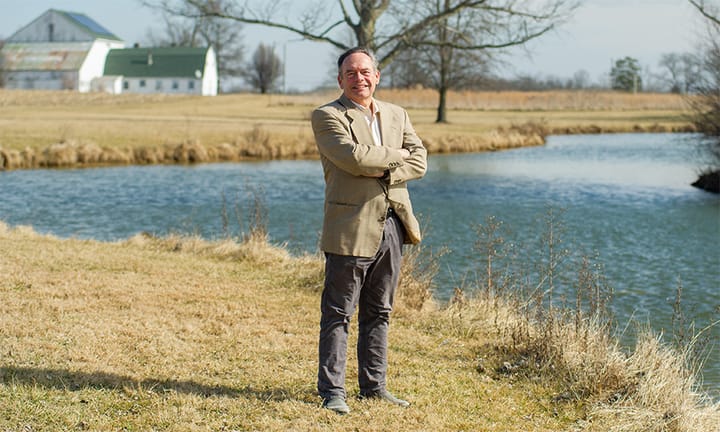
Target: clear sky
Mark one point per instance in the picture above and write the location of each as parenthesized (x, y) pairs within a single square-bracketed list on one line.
[(599, 32)]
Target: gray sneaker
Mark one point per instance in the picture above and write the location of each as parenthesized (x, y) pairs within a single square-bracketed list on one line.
[(387, 397), (337, 404)]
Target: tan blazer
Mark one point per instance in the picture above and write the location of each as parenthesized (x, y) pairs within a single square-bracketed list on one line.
[(356, 204)]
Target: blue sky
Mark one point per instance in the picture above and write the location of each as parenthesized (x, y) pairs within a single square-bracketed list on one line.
[(599, 32)]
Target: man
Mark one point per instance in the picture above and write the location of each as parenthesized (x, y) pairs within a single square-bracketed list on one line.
[(368, 151)]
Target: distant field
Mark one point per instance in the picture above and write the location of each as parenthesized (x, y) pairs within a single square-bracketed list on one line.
[(43, 128)]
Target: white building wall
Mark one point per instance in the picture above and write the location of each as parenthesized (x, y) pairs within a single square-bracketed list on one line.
[(210, 75), (94, 64), (107, 84), (162, 85), (41, 80)]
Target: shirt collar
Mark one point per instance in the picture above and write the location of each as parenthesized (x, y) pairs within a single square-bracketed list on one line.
[(374, 105)]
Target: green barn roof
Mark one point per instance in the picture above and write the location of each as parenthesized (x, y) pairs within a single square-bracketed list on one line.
[(179, 62)]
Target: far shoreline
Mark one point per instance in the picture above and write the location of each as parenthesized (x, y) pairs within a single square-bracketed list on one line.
[(46, 129)]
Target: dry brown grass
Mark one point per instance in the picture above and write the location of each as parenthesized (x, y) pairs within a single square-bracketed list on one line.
[(180, 333), (557, 100), (55, 129), (648, 389), (538, 335)]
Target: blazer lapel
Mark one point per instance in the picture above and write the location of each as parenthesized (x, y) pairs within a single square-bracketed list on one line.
[(358, 124), (386, 125)]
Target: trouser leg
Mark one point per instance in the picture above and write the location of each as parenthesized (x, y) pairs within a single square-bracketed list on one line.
[(375, 305), (344, 276)]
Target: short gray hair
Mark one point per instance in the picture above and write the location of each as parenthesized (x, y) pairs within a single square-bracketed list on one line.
[(354, 50)]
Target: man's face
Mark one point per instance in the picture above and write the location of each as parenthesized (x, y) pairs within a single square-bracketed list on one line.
[(358, 78)]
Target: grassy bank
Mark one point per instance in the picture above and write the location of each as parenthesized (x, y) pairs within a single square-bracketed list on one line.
[(184, 334), (61, 129)]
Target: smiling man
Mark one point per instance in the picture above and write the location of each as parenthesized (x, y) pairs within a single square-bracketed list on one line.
[(369, 151)]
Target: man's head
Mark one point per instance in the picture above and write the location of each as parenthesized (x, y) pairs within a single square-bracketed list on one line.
[(358, 75)]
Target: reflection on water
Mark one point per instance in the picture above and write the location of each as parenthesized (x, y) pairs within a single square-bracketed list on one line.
[(625, 199)]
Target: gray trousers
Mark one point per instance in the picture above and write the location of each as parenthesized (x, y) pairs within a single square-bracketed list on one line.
[(369, 283)]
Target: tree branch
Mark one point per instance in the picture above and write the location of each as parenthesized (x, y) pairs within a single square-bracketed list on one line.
[(700, 6), (513, 42), (202, 9), (407, 33)]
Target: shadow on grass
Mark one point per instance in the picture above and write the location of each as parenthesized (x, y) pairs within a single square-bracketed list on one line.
[(61, 379)]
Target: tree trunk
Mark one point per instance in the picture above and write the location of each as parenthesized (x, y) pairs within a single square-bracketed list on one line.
[(445, 61), (368, 11), (441, 114)]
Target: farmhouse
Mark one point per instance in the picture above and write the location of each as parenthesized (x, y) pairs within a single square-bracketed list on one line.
[(161, 70), (63, 50)]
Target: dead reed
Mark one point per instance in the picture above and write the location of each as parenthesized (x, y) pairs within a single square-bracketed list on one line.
[(257, 144)]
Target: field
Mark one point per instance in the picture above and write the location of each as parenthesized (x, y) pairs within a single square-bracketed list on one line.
[(184, 334), (51, 129)]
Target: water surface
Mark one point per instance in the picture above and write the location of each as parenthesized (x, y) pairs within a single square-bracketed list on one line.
[(623, 200)]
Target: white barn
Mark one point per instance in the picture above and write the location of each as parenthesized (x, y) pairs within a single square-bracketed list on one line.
[(57, 51), (69, 51)]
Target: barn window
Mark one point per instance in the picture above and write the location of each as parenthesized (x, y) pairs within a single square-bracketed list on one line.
[(126, 85), (175, 85), (191, 85), (142, 83)]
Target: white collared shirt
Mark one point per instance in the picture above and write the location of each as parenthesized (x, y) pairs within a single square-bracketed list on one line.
[(373, 121)]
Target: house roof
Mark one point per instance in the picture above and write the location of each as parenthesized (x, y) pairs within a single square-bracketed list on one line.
[(177, 62), (55, 56), (88, 24)]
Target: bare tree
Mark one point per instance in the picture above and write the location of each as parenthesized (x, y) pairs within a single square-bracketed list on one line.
[(580, 79), (405, 24), (405, 72), (177, 31), (441, 65), (707, 106), (264, 70), (223, 35), (681, 71)]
